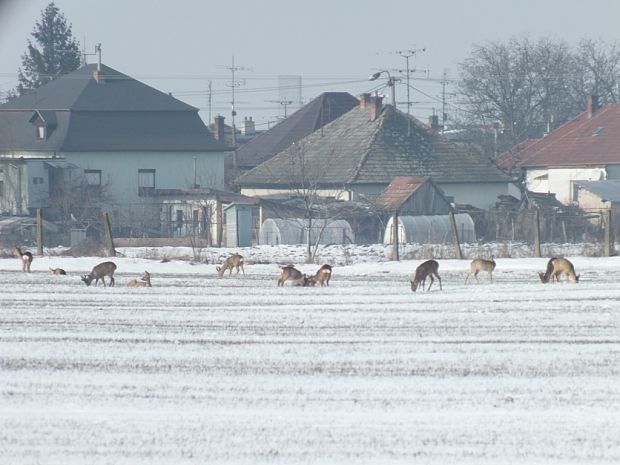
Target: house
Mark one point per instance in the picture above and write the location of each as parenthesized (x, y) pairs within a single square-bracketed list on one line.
[(598, 197), (358, 154), (99, 138), (586, 148), (323, 109)]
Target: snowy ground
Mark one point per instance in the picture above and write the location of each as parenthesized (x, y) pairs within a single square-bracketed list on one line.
[(201, 369)]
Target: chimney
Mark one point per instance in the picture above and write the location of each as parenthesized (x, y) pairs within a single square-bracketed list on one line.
[(433, 122), (375, 107), (218, 128), (593, 105), (98, 76), (248, 128), (364, 101)]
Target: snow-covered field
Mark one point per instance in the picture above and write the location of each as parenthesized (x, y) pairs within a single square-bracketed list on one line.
[(201, 369)]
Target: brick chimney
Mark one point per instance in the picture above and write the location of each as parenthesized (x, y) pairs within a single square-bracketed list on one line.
[(248, 128), (593, 105), (364, 101), (433, 122), (375, 107), (218, 128)]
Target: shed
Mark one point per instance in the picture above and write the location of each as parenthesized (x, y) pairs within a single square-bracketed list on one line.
[(430, 229), (238, 224), (275, 231)]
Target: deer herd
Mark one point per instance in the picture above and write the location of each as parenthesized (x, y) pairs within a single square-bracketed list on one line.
[(556, 266)]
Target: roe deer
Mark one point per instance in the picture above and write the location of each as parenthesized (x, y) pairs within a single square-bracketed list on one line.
[(428, 268), (322, 276), (145, 281), (57, 271), (480, 264), (100, 272), (234, 261), (296, 276), (25, 257), (555, 267)]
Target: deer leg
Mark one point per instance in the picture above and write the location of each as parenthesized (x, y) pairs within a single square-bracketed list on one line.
[(431, 284), (439, 279), (491, 276)]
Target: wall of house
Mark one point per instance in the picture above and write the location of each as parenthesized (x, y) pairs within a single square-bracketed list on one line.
[(480, 195), (37, 184), (613, 171), (589, 201), (559, 180), (120, 171)]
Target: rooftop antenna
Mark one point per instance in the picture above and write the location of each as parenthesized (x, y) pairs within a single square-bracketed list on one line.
[(284, 103), (406, 54), (232, 85), (98, 52)]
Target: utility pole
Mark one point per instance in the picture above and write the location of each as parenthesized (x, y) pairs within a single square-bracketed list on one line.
[(444, 116), (209, 94), (232, 85), (406, 54)]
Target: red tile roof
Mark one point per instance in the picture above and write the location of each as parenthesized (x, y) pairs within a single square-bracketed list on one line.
[(398, 191), (581, 141)]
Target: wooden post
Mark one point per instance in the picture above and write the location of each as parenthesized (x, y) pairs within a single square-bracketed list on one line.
[(537, 233), (395, 254), (455, 236), (109, 241), (219, 231), (39, 232), (609, 241)]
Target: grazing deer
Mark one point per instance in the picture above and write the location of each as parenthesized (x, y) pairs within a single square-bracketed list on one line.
[(428, 268), (555, 267), (100, 272), (234, 261), (145, 281), (57, 271), (322, 277), (480, 264), (25, 257), (296, 276)]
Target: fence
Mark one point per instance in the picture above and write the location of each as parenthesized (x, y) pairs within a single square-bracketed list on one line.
[(534, 228)]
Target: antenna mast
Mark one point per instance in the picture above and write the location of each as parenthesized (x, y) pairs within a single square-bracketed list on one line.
[(234, 84)]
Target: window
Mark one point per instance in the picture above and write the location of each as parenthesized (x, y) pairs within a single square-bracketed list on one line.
[(37, 180), (93, 177), (146, 182), (41, 132), (1, 188)]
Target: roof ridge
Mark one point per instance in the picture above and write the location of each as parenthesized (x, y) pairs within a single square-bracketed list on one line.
[(371, 141)]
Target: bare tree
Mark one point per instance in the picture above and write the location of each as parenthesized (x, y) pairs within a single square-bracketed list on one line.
[(521, 89)]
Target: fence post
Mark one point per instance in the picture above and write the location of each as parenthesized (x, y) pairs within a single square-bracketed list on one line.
[(39, 232), (455, 236), (537, 233), (609, 241), (395, 254), (109, 241)]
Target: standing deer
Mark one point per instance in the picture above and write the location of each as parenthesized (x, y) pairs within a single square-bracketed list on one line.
[(480, 264), (322, 276), (100, 272), (25, 257), (57, 271), (145, 281), (555, 267), (296, 276), (428, 268), (234, 261)]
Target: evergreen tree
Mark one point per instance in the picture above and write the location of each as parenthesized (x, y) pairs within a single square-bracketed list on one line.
[(56, 52)]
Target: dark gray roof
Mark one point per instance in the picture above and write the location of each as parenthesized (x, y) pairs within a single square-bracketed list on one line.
[(354, 149), (320, 111), (118, 113), (608, 190)]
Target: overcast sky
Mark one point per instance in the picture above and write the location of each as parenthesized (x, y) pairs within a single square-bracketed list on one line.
[(333, 45)]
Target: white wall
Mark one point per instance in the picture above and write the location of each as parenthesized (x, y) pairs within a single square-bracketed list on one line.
[(558, 180)]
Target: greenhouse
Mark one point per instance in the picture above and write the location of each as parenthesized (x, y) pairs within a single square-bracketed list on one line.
[(430, 229), (275, 231)]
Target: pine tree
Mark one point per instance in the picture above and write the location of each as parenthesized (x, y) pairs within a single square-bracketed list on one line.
[(56, 52)]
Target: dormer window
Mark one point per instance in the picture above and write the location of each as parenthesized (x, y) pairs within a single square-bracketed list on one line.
[(41, 132)]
